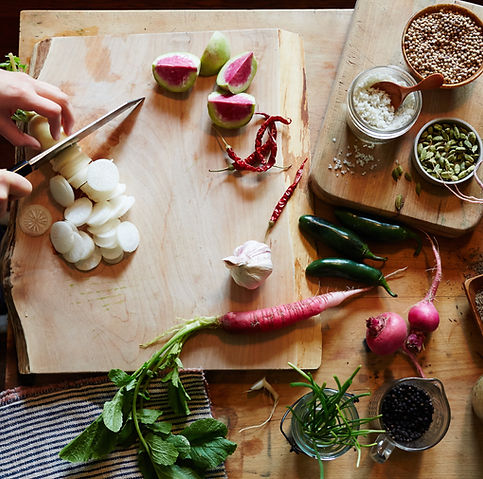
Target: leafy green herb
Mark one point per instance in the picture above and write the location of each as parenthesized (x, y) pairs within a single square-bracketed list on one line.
[(14, 65), (125, 421), (328, 422)]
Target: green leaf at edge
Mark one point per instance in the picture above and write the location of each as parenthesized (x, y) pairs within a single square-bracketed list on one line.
[(95, 442)]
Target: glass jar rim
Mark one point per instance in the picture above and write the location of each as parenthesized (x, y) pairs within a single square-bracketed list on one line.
[(376, 132)]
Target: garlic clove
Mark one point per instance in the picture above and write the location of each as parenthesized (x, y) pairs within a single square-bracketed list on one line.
[(251, 264)]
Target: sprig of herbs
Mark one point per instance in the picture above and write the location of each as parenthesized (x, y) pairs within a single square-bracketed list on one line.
[(328, 422), (125, 421), (14, 64)]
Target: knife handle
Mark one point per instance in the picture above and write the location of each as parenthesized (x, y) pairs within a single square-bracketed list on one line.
[(22, 168)]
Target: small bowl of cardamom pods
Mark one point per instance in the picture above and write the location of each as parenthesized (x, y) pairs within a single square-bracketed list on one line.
[(446, 151)]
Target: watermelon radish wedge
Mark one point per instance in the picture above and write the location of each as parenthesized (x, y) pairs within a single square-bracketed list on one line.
[(231, 111), (176, 72), (237, 73)]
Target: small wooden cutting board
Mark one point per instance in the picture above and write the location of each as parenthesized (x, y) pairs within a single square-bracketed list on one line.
[(364, 180), (189, 218)]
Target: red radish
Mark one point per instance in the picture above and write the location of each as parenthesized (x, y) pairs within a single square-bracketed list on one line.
[(266, 319), (423, 316), (386, 333)]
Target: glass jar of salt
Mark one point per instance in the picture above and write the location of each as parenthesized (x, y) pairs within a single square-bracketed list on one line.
[(370, 115), (414, 412)]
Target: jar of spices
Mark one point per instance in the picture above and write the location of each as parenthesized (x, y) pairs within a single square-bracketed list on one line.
[(414, 412), (370, 115)]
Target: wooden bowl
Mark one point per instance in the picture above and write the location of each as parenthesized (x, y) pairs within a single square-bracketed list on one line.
[(472, 287), (437, 8)]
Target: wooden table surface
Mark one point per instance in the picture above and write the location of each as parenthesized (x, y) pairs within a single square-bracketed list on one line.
[(454, 353)]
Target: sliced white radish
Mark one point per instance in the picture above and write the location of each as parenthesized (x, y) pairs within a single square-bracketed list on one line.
[(61, 191), (39, 128), (102, 175), (119, 190), (101, 213), (79, 212), (35, 220), (91, 261), (62, 236), (83, 247), (108, 242), (96, 196), (112, 253), (128, 236), (121, 205), (107, 239), (105, 227), (78, 179), (116, 260), (76, 164), (65, 157)]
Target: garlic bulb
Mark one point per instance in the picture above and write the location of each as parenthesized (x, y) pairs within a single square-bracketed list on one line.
[(250, 265)]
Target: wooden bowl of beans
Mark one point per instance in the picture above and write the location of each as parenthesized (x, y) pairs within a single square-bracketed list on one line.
[(447, 39)]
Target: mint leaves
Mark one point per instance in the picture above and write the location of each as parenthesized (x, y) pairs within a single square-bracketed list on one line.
[(125, 422)]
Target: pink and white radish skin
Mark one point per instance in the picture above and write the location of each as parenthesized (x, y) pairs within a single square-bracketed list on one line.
[(265, 319), (423, 317), (386, 333)]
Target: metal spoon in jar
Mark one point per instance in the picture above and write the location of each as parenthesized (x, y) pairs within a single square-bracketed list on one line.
[(398, 93)]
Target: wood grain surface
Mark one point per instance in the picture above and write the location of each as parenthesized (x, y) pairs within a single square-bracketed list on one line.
[(454, 353), (371, 187), (189, 217)]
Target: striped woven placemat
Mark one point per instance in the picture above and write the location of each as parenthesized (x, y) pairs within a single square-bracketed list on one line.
[(36, 423)]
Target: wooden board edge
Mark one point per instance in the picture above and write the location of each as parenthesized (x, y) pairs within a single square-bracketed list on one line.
[(39, 54), (6, 250)]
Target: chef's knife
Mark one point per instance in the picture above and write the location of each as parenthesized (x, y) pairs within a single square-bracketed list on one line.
[(27, 166)]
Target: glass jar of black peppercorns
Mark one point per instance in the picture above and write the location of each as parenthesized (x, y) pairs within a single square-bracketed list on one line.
[(414, 412)]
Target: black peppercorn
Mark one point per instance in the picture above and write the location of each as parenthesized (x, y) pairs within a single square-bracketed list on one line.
[(407, 412)]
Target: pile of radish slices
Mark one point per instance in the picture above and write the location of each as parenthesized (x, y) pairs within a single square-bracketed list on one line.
[(92, 229)]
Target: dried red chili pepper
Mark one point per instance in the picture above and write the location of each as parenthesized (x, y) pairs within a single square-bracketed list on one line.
[(258, 160), (286, 196)]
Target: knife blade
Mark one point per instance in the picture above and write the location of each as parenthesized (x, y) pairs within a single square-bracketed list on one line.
[(27, 166)]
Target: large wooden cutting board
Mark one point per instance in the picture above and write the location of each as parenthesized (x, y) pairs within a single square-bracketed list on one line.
[(374, 39), (189, 218)]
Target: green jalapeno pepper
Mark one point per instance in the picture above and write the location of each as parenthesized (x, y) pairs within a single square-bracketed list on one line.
[(343, 240), (348, 269), (375, 229)]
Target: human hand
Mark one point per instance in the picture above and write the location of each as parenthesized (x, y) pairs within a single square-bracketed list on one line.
[(19, 90), (12, 186)]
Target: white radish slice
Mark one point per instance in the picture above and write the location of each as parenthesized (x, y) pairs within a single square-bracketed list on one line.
[(112, 253), (121, 205), (62, 236), (114, 260), (96, 196), (61, 191), (107, 239), (104, 228), (106, 242), (35, 220), (128, 236), (83, 247), (119, 190), (79, 212), (101, 213), (76, 164), (78, 179), (39, 128), (65, 157), (102, 175), (91, 261)]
